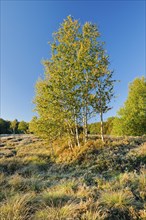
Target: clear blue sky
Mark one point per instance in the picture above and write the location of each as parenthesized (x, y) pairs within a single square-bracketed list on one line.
[(27, 26)]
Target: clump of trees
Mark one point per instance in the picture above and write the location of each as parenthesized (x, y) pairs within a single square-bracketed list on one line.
[(77, 83), (131, 118), (23, 127), (13, 127), (5, 126)]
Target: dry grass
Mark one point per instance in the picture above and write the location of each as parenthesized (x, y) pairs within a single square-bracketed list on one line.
[(17, 208), (96, 181), (68, 211), (120, 199)]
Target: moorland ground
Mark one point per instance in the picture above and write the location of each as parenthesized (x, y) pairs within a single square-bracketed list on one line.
[(94, 181)]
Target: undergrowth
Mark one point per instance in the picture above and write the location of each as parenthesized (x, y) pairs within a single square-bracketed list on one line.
[(94, 181)]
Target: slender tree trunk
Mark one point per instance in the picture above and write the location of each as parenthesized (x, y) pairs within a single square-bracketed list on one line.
[(83, 117), (71, 134), (86, 107), (86, 124), (101, 127), (85, 133), (70, 144), (101, 116), (70, 138), (76, 128), (77, 133)]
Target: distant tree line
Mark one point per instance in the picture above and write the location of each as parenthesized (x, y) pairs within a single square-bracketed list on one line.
[(13, 127)]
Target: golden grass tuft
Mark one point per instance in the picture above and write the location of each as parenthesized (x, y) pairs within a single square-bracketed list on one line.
[(68, 211), (120, 199), (16, 208)]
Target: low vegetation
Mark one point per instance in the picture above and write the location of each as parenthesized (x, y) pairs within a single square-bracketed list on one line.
[(95, 181)]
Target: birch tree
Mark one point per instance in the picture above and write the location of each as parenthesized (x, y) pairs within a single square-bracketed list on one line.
[(131, 118), (103, 95), (65, 95), (87, 56), (14, 126)]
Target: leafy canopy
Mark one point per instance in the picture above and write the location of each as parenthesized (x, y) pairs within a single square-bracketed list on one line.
[(132, 116), (75, 75)]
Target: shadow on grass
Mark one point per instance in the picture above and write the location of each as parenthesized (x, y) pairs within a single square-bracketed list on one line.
[(98, 159)]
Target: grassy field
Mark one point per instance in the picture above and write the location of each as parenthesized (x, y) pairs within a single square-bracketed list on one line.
[(95, 181)]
